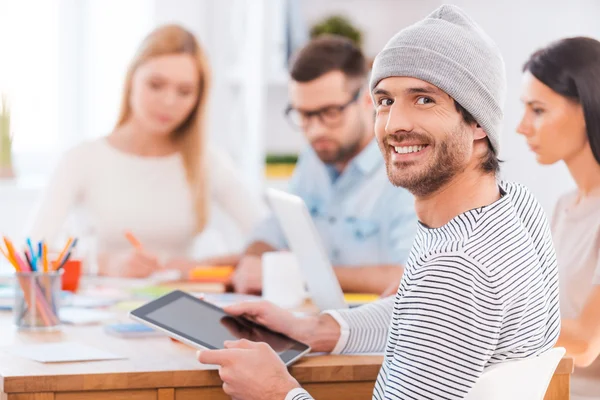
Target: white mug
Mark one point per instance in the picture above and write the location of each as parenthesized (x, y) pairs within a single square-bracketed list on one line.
[(282, 281)]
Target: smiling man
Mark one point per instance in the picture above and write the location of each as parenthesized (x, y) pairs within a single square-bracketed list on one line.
[(366, 224), (480, 287)]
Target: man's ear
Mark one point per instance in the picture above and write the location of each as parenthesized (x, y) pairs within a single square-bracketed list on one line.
[(479, 133)]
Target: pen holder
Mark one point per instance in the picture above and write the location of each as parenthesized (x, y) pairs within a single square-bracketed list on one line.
[(37, 296)]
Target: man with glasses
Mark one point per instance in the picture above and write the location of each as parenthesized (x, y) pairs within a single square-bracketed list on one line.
[(367, 225)]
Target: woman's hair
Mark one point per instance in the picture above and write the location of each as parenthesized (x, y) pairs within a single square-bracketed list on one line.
[(571, 68), (190, 135)]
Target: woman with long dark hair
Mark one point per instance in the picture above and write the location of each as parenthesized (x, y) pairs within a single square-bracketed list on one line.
[(561, 122)]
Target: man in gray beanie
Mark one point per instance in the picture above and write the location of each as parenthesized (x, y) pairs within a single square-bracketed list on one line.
[(481, 284)]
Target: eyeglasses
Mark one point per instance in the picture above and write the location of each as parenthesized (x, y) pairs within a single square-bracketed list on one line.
[(330, 116)]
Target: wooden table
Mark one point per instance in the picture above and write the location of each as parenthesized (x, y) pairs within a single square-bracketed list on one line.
[(160, 369), (157, 369)]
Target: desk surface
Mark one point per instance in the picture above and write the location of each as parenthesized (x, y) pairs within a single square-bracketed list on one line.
[(159, 364), (151, 362)]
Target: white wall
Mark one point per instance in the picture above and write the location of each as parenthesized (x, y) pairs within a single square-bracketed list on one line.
[(114, 31)]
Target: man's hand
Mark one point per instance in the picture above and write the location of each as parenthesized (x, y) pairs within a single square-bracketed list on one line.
[(242, 329), (247, 277), (250, 371), (269, 315), (321, 332)]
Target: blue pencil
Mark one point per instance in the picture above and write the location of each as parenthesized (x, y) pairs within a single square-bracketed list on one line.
[(32, 252)]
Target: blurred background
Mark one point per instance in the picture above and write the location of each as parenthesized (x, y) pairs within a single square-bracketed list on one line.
[(62, 63)]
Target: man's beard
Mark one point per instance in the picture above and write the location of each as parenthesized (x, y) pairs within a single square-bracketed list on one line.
[(344, 152), (450, 159), (340, 154)]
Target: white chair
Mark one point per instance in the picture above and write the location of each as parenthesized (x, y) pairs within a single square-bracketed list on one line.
[(526, 379)]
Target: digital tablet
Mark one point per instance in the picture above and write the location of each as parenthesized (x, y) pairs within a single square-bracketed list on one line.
[(206, 326)]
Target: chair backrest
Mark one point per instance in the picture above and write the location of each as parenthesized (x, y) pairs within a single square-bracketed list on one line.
[(526, 379)]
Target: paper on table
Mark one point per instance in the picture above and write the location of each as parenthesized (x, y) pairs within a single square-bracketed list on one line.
[(360, 298), (84, 316), (227, 299), (129, 305), (150, 292), (82, 301), (62, 352), (165, 276)]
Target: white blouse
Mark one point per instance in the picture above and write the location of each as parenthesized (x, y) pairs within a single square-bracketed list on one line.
[(116, 192)]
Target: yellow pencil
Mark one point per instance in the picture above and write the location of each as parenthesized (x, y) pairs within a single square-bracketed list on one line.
[(4, 253), (62, 254), (10, 254), (9, 258), (45, 257)]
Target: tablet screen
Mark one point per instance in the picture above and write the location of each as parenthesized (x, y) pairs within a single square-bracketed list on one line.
[(209, 326)]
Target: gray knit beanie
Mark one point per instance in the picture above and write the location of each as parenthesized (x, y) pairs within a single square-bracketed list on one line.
[(449, 50)]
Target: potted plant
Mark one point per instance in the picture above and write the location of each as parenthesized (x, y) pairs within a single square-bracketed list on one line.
[(280, 166), (6, 141), (338, 25)]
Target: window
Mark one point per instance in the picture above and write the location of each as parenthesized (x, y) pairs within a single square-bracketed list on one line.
[(62, 64), (29, 71)]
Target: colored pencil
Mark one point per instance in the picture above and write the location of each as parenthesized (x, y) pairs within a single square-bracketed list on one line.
[(133, 240)]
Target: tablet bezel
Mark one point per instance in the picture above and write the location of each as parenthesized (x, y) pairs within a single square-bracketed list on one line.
[(141, 314)]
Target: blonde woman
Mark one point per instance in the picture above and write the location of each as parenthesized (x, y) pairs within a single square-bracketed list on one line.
[(154, 174)]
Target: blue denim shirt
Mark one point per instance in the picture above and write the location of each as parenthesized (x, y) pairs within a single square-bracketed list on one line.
[(361, 217)]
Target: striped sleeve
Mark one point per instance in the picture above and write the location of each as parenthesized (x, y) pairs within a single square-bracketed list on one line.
[(445, 331), (364, 329), (298, 394)]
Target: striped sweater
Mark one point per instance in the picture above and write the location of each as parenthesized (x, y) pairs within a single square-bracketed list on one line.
[(478, 291)]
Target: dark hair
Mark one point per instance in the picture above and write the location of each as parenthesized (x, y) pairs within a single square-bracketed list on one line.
[(490, 162), (571, 68), (328, 53)]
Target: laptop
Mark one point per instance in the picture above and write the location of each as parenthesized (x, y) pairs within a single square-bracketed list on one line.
[(304, 241)]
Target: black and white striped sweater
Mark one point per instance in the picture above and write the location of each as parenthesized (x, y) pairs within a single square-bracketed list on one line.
[(478, 291)]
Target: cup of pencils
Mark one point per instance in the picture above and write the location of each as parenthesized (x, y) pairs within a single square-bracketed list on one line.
[(37, 284), (37, 296)]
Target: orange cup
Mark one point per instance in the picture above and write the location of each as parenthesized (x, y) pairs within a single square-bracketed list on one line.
[(71, 275)]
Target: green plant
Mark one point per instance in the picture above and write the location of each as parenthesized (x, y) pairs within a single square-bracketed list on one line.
[(281, 159), (6, 138), (337, 25)]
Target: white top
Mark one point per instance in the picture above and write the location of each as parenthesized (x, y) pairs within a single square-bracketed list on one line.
[(149, 196), (576, 233), (481, 290)]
